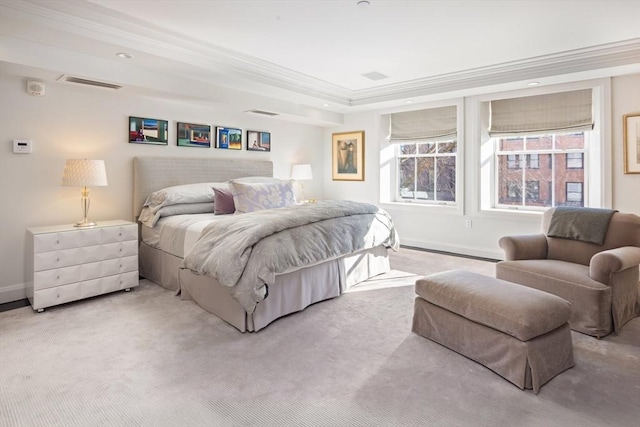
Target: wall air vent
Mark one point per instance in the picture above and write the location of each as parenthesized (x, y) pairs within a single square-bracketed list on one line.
[(374, 75), (265, 113), (71, 79)]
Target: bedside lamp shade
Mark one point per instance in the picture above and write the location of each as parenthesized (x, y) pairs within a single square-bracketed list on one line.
[(85, 173), (301, 172)]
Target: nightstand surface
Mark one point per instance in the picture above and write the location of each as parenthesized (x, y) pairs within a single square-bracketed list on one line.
[(67, 263)]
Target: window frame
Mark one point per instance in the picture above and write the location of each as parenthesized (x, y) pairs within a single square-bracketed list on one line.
[(388, 178), (599, 158), (435, 155), (524, 165)]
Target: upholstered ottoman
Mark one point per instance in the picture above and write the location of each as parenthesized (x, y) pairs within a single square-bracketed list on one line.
[(518, 332)]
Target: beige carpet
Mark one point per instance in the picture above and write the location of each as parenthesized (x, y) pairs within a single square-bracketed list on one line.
[(146, 358)]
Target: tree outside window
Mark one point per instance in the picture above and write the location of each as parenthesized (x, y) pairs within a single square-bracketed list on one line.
[(427, 171)]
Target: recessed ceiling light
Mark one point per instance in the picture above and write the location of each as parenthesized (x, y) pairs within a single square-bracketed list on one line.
[(533, 83), (124, 55), (325, 105), (409, 102), (363, 4)]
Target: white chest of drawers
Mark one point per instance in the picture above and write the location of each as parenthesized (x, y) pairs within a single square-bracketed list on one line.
[(67, 263)]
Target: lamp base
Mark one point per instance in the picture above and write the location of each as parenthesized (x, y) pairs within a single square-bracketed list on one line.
[(86, 224)]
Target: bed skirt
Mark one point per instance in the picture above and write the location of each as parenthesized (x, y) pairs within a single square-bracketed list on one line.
[(292, 291)]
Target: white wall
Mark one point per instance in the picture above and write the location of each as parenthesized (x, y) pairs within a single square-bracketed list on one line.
[(625, 91), (444, 229), (83, 122)]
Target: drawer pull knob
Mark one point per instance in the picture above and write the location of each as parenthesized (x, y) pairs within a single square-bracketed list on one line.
[(57, 277), (57, 259)]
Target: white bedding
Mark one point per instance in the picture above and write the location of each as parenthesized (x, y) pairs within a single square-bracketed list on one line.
[(177, 234)]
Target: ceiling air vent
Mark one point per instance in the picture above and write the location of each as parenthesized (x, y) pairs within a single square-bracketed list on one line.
[(265, 113), (374, 75), (88, 82)]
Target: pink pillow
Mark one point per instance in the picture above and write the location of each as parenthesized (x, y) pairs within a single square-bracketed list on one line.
[(223, 201)]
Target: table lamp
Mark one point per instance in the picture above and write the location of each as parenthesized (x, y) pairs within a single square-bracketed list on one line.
[(85, 173), (301, 173)]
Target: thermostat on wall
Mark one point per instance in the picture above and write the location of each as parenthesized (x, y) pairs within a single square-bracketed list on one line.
[(22, 146)]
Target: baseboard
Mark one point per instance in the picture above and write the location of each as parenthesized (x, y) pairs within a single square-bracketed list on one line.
[(455, 249), (13, 293)]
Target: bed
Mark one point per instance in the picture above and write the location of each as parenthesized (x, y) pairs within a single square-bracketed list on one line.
[(173, 238)]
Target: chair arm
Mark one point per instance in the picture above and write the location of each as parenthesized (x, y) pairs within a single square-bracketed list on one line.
[(529, 246), (612, 261)]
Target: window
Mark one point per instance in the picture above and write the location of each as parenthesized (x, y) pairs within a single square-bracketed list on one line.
[(517, 161), (427, 171), (542, 159), (535, 145), (575, 160), (574, 194), (425, 150)]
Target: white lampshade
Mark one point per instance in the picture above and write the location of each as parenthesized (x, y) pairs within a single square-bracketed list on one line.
[(84, 173), (301, 172)]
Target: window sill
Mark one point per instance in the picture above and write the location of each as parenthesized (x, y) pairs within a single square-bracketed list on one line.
[(423, 207), (510, 213)]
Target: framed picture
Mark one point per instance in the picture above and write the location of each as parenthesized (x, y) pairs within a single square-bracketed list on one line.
[(631, 124), (258, 141), (348, 156), (192, 135), (148, 131), (228, 138)]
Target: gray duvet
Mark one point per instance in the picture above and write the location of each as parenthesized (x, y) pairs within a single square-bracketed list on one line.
[(245, 252)]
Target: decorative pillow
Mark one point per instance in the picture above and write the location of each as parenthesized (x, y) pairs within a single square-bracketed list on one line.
[(223, 201), (149, 217), (180, 194), (249, 197)]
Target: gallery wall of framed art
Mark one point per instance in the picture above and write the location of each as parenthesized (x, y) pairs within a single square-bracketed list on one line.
[(151, 131)]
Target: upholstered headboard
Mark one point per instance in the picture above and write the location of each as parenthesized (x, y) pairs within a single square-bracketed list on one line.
[(155, 173)]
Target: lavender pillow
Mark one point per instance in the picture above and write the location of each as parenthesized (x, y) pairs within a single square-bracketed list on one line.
[(223, 201), (249, 197)]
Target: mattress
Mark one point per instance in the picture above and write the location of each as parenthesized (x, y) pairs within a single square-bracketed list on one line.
[(177, 234)]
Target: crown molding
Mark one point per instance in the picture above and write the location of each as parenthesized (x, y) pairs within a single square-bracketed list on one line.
[(597, 57), (92, 21)]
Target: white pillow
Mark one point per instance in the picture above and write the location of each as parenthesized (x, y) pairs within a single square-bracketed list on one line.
[(180, 194), (250, 197), (149, 217)]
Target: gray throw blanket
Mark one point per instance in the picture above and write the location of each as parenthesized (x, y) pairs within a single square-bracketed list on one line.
[(245, 252), (585, 224)]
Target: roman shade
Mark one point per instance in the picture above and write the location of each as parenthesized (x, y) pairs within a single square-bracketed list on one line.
[(423, 125), (550, 113)]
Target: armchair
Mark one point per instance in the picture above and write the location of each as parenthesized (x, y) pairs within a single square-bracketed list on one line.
[(600, 281)]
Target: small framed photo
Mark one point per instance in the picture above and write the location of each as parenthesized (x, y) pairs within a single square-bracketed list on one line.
[(631, 124), (192, 135), (228, 138), (258, 141), (148, 131), (348, 156)]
